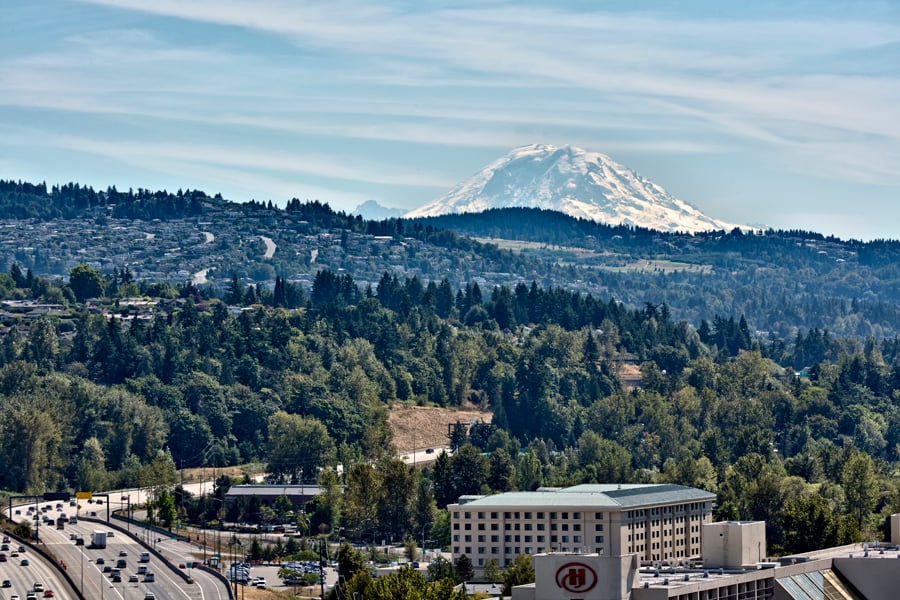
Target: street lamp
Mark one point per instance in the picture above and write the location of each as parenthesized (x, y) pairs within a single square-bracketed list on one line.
[(127, 498)]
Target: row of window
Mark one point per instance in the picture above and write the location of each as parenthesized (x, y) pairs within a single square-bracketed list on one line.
[(576, 539), (528, 515), (481, 550)]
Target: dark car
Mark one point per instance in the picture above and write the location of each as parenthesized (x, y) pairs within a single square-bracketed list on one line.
[(7, 583), (107, 569), (100, 560)]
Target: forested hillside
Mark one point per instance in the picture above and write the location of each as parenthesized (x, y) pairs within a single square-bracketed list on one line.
[(782, 282), (105, 398)]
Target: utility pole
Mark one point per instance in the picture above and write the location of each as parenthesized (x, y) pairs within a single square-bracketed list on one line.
[(322, 567)]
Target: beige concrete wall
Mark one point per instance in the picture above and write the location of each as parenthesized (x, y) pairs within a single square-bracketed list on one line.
[(873, 578), (733, 544), (895, 529)]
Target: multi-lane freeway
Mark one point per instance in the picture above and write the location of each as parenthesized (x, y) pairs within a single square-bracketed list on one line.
[(94, 569), (24, 569)]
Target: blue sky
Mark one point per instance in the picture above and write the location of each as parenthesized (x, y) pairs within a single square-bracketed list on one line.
[(785, 114)]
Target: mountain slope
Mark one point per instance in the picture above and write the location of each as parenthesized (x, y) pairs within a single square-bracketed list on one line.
[(582, 184)]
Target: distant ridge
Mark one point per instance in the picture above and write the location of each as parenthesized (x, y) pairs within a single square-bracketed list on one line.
[(372, 210), (574, 181)]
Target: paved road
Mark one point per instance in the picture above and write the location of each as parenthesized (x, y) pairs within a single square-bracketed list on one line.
[(89, 576), (23, 578)]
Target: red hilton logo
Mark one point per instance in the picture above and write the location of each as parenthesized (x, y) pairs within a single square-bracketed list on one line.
[(576, 577)]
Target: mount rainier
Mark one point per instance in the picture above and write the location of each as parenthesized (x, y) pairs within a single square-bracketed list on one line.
[(579, 183)]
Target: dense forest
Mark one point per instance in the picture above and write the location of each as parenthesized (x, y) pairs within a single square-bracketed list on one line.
[(802, 432)]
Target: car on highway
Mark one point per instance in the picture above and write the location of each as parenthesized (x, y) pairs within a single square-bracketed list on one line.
[(107, 569), (123, 552), (2, 557), (21, 548), (48, 593), (14, 597), (38, 586), (23, 562), (149, 577), (6, 583), (149, 596), (132, 578), (100, 560)]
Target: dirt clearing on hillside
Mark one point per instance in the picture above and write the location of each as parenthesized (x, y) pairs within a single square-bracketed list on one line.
[(419, 427)]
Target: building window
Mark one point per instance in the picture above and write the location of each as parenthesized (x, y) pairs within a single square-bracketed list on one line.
[(552, 539), (480, 562), (456, 537), (528, 550), (565, 527), (495, 550), (467, 526), (495, 538), (468, 538), (507, 515), (480, 550), (455, 514), (528, 515), (516, 527), (517, 515), (540, 539), (540, 515), (527, 538), (576, 527), (553, 515), (467, 515), (493, 515), (495, 527), (598, 516), (565, 515), (527, 526), (517, 539), (598, 539), (481, 515), (576, 539), (598, 527), (576, 515), (565, 539), (468, 549), (481, 527), (540, 526), (480, 538)]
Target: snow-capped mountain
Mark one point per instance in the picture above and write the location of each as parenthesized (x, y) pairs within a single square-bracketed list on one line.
[(571, 180)]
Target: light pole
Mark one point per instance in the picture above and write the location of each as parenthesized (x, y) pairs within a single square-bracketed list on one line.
[(127, 499), (424, 527), (82, 570)]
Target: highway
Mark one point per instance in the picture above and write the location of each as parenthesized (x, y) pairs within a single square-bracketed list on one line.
[(22, 578), (95, 580)]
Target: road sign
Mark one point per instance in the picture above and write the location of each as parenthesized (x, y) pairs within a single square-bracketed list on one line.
[(84, 495), (56, 496)]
